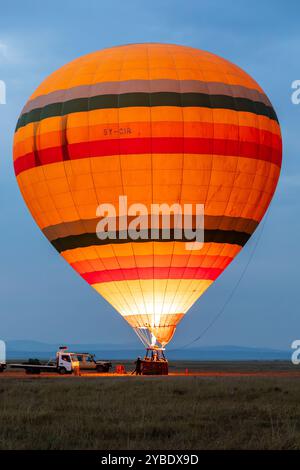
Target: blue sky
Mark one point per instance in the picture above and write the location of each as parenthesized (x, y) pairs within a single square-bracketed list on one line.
[(41, 297)]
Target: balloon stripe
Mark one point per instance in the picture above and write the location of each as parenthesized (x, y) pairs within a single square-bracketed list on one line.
[(172, 145), (99, 254), (166, 118), (162, 261), (129, 130), (151, 273), (240, 224), (145, 86), (87, 239), (126, 100)]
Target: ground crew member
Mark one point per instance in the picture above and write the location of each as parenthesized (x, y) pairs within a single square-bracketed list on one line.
[(138, 366)]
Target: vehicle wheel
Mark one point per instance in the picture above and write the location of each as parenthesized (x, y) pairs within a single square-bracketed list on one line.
[(1, 369), (62, 370), (100, 369)]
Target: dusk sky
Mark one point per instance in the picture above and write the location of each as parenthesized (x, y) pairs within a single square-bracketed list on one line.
[(41, 297)]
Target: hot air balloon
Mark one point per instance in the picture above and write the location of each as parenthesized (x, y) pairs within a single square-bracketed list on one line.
[(159, 124)]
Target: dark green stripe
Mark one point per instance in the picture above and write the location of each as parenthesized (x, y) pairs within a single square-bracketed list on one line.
[(88, 239), (128, 100)]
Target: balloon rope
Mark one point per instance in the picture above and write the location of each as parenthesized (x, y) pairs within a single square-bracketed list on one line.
[(232, 292)]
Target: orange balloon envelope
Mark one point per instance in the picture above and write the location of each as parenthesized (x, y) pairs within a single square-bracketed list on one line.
[(159, 124)]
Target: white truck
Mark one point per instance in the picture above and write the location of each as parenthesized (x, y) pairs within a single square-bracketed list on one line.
[(65, 363)]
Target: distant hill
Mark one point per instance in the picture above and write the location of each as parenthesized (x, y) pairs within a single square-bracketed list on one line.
[(23, 349)]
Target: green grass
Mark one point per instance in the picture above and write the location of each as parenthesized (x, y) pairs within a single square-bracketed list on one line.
[(150, 413)]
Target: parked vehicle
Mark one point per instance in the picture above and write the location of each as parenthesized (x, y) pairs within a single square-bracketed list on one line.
[(87, 361), (64, 363)]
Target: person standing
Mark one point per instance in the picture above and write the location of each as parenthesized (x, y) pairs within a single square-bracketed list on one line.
[(138, 366)]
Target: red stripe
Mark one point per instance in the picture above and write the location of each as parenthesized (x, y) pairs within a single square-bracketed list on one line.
[(151, 273), (91, 265), (192, 145)]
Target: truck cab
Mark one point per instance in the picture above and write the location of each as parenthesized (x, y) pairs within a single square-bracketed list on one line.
[(66, 362)]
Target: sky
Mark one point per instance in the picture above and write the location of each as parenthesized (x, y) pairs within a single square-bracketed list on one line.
[(41, 297)]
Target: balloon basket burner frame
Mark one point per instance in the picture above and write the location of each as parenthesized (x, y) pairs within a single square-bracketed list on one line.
[(154, 362)]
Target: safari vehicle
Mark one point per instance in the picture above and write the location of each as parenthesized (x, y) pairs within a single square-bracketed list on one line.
[(87, 361)]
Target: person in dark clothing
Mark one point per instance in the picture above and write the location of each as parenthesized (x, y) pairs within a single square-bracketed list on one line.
[(138, 366)]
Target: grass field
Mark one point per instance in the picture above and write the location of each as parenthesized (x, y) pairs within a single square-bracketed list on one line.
[(150, 413)]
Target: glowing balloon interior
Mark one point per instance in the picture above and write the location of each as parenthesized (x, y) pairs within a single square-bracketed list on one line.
[(160, 124)]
